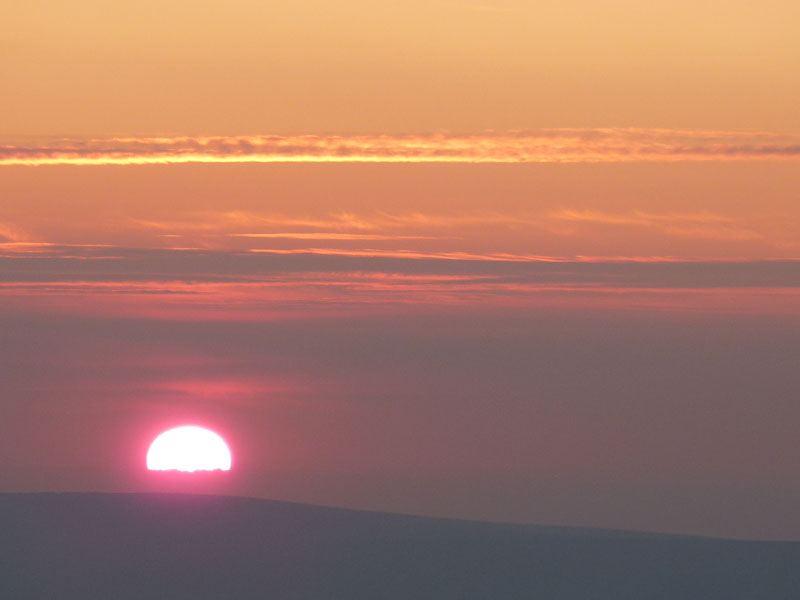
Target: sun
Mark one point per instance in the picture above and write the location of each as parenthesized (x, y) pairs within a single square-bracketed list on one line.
[(188, 448)]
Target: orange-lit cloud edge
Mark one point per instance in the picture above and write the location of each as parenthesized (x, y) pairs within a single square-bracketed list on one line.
[(542, 146)]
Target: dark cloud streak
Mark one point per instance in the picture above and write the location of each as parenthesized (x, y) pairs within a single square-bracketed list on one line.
[(98, 264)]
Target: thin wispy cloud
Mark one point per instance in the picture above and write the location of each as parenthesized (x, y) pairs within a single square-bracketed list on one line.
[(409, 254), (329, 226), (10, 233), (541, 146), (210, 221), (333, 236), (344, 224), (698, 225), (383, 226), (527, 232), (638, 217)]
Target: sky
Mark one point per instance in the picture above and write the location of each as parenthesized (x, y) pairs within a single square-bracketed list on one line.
[(513, 261)]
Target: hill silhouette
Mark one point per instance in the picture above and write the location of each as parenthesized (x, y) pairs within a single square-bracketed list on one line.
[(176, 546)]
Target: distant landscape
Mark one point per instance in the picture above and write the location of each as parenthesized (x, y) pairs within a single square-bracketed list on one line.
[(174, 546)]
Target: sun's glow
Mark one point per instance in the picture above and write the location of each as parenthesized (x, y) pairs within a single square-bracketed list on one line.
[(188, 448)]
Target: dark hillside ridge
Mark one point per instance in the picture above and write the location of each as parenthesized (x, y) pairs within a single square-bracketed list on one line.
[(175, 547)]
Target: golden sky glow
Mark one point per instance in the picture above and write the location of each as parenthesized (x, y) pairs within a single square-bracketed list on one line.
[(83, 67)]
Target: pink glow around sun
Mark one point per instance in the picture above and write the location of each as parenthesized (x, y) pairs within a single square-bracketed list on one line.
[(188, 448)]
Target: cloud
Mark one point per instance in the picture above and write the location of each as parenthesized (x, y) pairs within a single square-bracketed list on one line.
[(242, 221), (409, 254), (333, 236), (183, 270), (637, 217), (701, 225), (231, 285), (541, 146), (214, 227), (10, 234)]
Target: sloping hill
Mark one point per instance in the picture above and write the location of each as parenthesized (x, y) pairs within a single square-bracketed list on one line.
[(172, 547)]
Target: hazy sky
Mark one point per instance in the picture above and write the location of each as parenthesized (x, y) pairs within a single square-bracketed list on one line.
[(515, 261), (243, 67)]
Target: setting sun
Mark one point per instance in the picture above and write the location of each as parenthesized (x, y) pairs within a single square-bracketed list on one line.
[(188, 448)]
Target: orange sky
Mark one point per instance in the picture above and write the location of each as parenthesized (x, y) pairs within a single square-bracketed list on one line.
[(709, 210), (697, 83), (243, 67)]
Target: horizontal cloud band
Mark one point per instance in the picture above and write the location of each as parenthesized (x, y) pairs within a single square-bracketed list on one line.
[(203, 285), (550, 145)]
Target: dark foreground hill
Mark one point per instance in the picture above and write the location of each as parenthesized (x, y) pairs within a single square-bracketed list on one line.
[(172, 547)]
